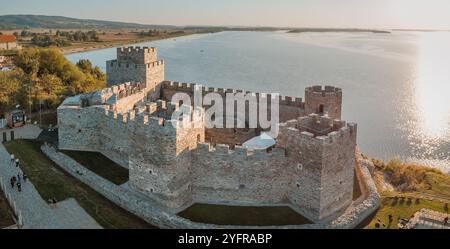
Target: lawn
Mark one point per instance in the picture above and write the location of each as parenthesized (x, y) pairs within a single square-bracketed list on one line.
[(53, 182), (242, 215), (430, 189), (403, 207), (6, 213), (101, 165)]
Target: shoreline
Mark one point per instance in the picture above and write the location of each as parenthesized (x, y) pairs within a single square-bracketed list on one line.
[(104, 45)]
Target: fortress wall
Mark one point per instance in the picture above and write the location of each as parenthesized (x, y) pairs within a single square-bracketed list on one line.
[(137, 54), (305, 154), (78, 128), (229, 136), (118, 72), (128, 103), (160, 165), (114, 133), (154, 75), (338, 170), (239, 176), (290, 108)]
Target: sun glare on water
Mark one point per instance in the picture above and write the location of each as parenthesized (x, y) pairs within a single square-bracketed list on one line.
[(433, 85)]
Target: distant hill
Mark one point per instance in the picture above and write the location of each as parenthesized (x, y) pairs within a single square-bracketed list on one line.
[(9, 22)]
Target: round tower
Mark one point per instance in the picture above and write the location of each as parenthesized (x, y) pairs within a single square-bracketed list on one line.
[(324, 101)]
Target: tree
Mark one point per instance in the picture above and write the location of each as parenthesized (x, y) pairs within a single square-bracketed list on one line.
[(9, 88), (85, 65), (50, 89), (28, 61), (48, 75)]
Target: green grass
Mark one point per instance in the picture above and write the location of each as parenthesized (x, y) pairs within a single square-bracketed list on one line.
[(6, 212), (100, 165), (53, 182), (402, 208), (425, 188), (241, 215)]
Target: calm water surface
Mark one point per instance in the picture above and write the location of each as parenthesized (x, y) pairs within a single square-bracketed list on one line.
[(396, 86)]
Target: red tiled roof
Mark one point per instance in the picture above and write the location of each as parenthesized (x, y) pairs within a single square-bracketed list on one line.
[(7, 38)]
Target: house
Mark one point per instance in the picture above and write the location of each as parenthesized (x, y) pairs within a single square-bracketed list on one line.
[(8, 42)]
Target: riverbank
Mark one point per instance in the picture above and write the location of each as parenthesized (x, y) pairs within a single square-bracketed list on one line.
[(406, 188), (91, 46)]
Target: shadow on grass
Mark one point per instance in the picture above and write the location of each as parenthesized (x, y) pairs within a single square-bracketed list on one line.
[(243, 215)]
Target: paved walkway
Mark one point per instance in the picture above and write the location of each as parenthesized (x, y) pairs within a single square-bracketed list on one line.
[(34, 211)]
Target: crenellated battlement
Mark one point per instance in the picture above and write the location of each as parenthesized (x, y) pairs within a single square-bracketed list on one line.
[(324, 101), (190, 87), (117, 64), (136, 55), (323, 91), (320, 129), (159, 114)]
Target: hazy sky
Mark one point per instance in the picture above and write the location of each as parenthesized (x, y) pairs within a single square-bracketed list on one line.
[(300, 13)]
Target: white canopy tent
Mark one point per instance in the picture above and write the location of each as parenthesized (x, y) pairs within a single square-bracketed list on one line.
[(260, 143)]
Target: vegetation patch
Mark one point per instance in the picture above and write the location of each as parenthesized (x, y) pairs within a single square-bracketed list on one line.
[(243, 215), (415, 187), (100, 165), (6, 213), (53, 182), (394, 208), (408, 177), (42, 78)]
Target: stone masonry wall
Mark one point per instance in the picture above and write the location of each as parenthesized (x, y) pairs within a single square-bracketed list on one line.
[(239, 176), (329, 99), (290, 108)]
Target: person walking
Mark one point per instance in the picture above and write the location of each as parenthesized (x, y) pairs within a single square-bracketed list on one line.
[(24, 176), (12, 159), (19, 187), (12, 182), (17, 162)]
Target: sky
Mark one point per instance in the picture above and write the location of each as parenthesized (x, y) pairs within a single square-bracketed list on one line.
[(414, 14)]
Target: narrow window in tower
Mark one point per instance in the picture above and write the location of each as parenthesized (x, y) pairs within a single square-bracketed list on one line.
[(321, 108)]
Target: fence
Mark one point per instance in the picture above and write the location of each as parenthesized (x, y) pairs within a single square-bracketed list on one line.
[(12, 203)]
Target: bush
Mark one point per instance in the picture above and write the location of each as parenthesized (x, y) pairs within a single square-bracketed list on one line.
[(407, 176)]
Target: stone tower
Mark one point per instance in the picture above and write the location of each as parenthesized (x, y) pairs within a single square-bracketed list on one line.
[(160, 166), (321, 153), (324, 101), (135, 64)]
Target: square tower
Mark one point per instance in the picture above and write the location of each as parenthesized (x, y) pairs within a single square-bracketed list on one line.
[(321, 154), (136, 65), (324, 101)]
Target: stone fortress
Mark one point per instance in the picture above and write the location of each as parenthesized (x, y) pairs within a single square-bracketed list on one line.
[(311, 167)]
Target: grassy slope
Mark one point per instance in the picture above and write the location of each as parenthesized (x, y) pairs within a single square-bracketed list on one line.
[(6, 213), (51, 181), (433, 193), (101, 165)]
